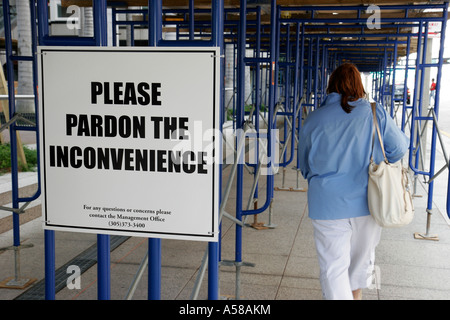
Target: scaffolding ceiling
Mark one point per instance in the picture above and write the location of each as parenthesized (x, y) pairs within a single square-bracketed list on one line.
[(236, 3), (346, 22)]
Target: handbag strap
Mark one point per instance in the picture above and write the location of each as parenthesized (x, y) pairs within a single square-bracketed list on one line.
[(374, 112)]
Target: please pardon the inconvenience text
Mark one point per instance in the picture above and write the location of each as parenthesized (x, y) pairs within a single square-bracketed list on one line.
[(124, 126)]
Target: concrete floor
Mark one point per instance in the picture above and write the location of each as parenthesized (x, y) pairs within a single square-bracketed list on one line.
[(283, 259)]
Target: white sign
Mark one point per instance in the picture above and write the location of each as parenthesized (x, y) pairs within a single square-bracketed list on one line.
[(127, 141)]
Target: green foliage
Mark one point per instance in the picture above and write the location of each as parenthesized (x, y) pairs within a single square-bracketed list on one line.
[(31, 157), (5, 159)]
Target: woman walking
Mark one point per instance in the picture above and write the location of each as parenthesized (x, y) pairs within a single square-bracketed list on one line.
[(335, 150)]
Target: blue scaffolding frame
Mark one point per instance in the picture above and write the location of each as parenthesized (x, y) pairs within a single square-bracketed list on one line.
[(15, 127), (384, 68), (296, 59)]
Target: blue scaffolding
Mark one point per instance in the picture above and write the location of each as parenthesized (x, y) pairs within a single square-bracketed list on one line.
[(291, 59), (327, 49)]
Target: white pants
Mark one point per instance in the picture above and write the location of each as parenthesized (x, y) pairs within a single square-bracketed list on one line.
[(346, 252)]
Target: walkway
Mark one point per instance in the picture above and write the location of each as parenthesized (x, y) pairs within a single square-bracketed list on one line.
[(284, 258)]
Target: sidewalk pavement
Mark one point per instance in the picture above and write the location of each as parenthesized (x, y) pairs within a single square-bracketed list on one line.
[(280, 262), (284, 258)]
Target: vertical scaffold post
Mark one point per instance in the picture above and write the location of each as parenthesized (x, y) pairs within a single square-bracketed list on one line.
[(49, 235), (301, 88), (154, 244), (155, 39), (154, 269), (434, 129), (405, 86), (316, 74), (437, 97), (240, 101), (103, 241), (49, 265), (12, 133), (394, 70), (14, 128), (217, 21)]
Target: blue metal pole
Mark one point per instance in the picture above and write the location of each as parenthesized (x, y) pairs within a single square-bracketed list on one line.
[(42, 11), (272, 85), (103, 241), (383, 83), (103, 267), (286, 93), (257, 74), (12, 128), (373, 84), (270, 135), (155, 22), (257, 90), (302, 66), (213, 271), (154, 269), (36, 99), (295, 92), (323, 84), (154, 244), (277, 52), (394, 69), (310, 61), (49, 264), (240, 122), (114, 27), (49, 235), (316, 74), (436, 105), (234, 114), (302, 83), (290, 108), (422, 73), (191, 19), (405, 86), (417, 103), (441, 57), (213, 247)]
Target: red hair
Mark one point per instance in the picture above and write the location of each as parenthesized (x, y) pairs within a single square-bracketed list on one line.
[(346, 80)]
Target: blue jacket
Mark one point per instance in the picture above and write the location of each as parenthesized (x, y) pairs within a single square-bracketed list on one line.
[(334, 154)]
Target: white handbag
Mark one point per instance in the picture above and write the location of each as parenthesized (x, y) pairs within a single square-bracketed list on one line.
[(389, 196)]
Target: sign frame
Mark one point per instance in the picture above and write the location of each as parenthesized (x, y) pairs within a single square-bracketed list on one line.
[(50, 119)]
